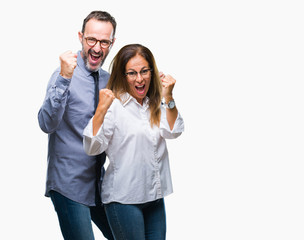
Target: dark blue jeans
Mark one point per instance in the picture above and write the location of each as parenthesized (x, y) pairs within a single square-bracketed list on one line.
[(137, 221), (75, 218)]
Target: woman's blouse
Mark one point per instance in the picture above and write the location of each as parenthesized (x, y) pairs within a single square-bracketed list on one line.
[(138, 169)]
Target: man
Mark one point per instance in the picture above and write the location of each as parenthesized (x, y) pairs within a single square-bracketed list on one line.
[(73, 178)]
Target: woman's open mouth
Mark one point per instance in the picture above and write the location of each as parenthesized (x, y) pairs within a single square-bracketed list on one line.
[(140, 89)]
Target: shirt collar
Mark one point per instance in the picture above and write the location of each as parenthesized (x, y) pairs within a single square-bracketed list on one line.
[(126, 98)]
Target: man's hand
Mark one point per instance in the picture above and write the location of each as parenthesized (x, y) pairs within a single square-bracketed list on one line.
[(68, 62)]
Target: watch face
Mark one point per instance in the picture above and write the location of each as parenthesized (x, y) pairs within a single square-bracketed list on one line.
[(171, 104)]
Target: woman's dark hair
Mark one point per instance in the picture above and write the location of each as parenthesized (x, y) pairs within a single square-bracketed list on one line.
[(118, 82)]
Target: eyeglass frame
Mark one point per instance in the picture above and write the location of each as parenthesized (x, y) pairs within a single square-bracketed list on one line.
[(140, 72), (100, 42)]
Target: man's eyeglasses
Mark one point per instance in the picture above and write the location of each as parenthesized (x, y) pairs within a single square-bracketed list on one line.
[(144, 73), (93, 41)]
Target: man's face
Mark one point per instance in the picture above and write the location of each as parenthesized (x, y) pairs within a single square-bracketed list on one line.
[(94, 56)]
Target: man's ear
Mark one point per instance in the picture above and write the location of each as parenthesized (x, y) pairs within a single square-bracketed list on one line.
[(80, 35), (113, 42)]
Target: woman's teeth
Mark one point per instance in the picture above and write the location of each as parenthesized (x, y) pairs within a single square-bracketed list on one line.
[(140, 89)]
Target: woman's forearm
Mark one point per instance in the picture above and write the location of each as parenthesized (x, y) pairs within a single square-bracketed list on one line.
[(171, 114)]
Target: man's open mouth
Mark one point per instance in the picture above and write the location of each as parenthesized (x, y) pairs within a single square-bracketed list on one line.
[(95, 57)]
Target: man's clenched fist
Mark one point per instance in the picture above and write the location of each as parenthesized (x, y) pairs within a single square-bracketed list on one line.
[(68, 62)]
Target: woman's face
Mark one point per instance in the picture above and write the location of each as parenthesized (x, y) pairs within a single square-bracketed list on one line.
[(138, 77)]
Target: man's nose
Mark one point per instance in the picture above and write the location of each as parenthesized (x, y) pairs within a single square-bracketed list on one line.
[(97, 47)]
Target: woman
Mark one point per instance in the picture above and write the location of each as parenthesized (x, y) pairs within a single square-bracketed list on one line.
[(131, 125)]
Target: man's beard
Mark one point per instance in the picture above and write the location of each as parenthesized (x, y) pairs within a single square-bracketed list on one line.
[(86, 61)]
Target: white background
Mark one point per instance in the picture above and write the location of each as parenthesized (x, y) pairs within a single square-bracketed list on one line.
[(238, 168)]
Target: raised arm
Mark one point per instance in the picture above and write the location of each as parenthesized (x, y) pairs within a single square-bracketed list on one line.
[(106, 98), (168, 83), (92, 144), (52, 110)]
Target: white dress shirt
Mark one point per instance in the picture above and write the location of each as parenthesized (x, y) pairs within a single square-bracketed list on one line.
[(138, 171)]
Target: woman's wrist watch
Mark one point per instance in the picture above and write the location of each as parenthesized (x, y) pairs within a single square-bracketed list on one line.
[(170, 104)]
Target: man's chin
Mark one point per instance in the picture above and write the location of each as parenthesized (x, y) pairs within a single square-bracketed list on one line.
[(94, 68)]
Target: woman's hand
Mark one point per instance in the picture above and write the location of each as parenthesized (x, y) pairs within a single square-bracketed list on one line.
[(168, 83), (106, 97)]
